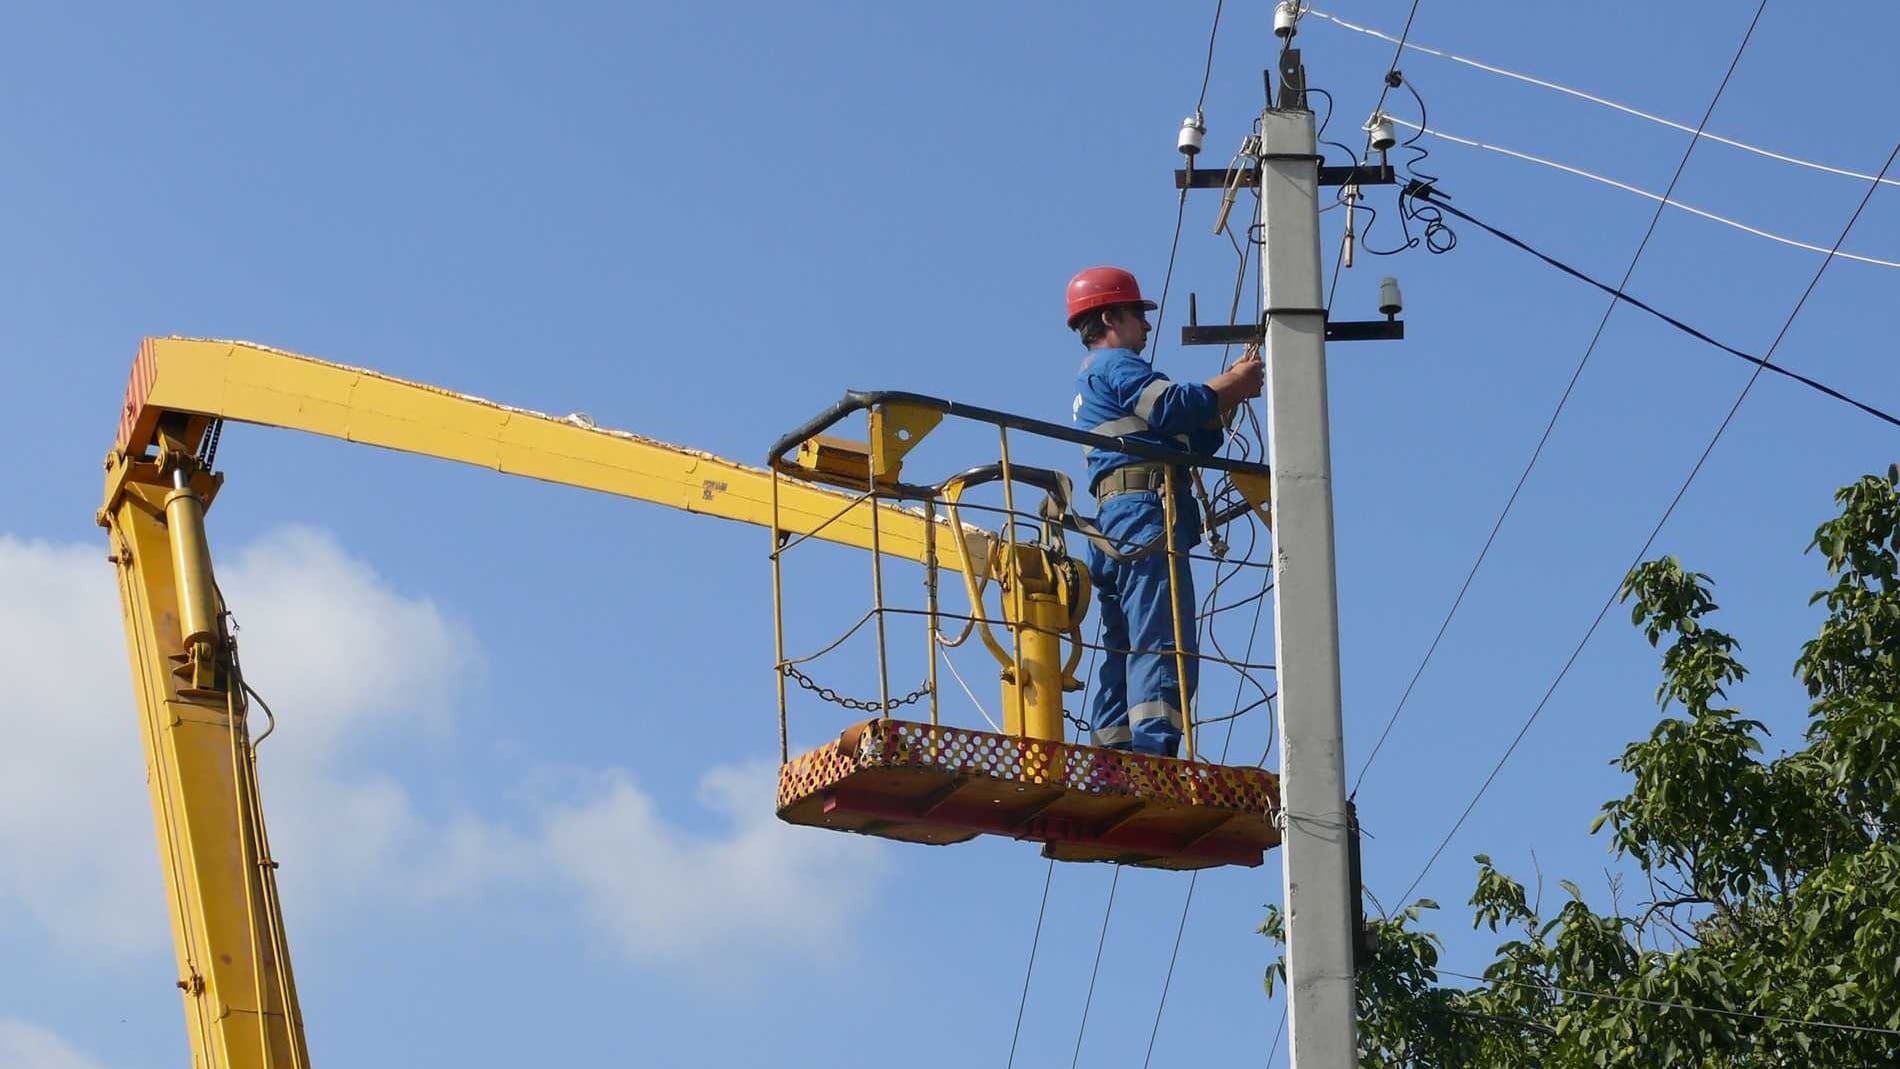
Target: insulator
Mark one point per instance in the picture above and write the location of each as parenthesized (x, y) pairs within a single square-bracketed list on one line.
[(1391, 302), (1379, 132), (1286, 19), (1193, 134)]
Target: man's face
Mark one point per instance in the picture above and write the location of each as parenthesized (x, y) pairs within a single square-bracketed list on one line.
[(1130, 327)]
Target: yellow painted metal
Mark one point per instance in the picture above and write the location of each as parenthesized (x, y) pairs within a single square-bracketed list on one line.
[(191, 571), (1258, 491), (778, 623), (895, 430), (932, 628), (835, 460), (250, 383), (1039, 608), (877, 604), (1174, 613), (239, 999), (1034, 708), (239, 994), (974, 584), (1015, 608), (233, 963)]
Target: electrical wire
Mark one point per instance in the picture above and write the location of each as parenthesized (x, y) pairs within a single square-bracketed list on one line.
[(1551, 424), (1639, 191), (1799, 1022), (1180, 210), (1657, 530), (1392, 68), (1206, 658), (1436, 237), (1035, 941), (1121, 544), (1161, 306), (1812, 383), (958, 676), (1207, 70), (1169, 979), (1100, 941), (1081, 1029), (1193, 879), (1624, 108)]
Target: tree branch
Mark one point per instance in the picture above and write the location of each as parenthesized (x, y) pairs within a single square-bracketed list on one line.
[(1520, 1022)]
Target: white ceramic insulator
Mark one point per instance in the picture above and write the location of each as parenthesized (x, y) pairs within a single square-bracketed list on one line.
[(1391, 302), (1193, 134), (1379, 133), (1286, 19)]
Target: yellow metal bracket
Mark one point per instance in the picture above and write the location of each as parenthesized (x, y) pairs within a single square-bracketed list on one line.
[(1258, 491), (895, 431)]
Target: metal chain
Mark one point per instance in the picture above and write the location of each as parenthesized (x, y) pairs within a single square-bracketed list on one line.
[(827, 694)]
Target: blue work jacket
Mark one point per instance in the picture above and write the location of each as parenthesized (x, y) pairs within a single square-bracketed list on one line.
[(1120, 394)]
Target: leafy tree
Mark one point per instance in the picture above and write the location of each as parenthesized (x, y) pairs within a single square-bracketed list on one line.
[(1773, 886)]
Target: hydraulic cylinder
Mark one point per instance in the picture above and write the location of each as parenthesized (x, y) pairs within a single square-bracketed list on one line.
[(191, 568)]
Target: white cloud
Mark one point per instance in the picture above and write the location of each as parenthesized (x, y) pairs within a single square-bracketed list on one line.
[(76, 850), (350, 665), (28, 1046), (340, 655), (360, 661), (669, 898)]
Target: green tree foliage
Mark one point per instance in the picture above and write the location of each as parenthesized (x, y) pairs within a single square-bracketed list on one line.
[(1773, 885)]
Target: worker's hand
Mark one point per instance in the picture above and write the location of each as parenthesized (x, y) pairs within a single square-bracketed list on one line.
[(1253, 370), (1241, 381)]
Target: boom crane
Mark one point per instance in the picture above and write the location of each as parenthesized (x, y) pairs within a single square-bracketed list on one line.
[(917, 782)]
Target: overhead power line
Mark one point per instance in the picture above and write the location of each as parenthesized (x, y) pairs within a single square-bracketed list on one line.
[(1657, 530), (1207, 68), (1639, 191), (1760, 362), (1594, 99), (1095, 970), (1180, 208), (1028, 971), (1392, 68), (1799, 1022), (1550, 425), (1194, 878)]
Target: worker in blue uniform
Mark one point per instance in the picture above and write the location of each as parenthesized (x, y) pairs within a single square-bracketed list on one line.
[(1135, 704)]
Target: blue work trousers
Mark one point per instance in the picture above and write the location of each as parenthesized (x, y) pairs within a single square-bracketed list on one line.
[(1136, 701)]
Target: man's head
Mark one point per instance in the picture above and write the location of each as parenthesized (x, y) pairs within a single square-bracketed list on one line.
[(1118, 326), (1107, 309)]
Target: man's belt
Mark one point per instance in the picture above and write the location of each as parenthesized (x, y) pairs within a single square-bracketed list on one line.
[(1131, 478)]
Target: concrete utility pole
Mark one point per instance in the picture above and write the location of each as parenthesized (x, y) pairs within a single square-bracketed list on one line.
[(1317, 834)]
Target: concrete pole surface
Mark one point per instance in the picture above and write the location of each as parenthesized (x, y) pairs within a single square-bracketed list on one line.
[(1322, 1007)]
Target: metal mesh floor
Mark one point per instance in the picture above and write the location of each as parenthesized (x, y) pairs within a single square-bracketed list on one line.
[(918, 783)]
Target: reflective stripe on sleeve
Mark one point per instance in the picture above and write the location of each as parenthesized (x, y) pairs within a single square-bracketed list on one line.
[(1149, 397), (1114, 428)]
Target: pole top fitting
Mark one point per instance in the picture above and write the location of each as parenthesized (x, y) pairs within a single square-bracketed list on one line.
[(1286, 19)]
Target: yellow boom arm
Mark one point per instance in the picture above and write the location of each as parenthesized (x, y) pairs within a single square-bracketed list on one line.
[(248, 383), (233, 962)]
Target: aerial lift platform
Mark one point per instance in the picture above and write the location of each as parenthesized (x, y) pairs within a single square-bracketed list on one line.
[(922, 782)]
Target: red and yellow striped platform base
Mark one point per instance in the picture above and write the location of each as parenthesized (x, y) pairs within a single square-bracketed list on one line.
[(923, 784)]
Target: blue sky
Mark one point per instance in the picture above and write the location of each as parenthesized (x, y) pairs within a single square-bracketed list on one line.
[(521, 788)]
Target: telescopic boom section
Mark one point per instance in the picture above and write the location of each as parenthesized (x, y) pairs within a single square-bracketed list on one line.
[(248, 383)]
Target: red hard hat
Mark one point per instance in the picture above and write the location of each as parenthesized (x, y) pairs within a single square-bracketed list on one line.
[(1099, 287)]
